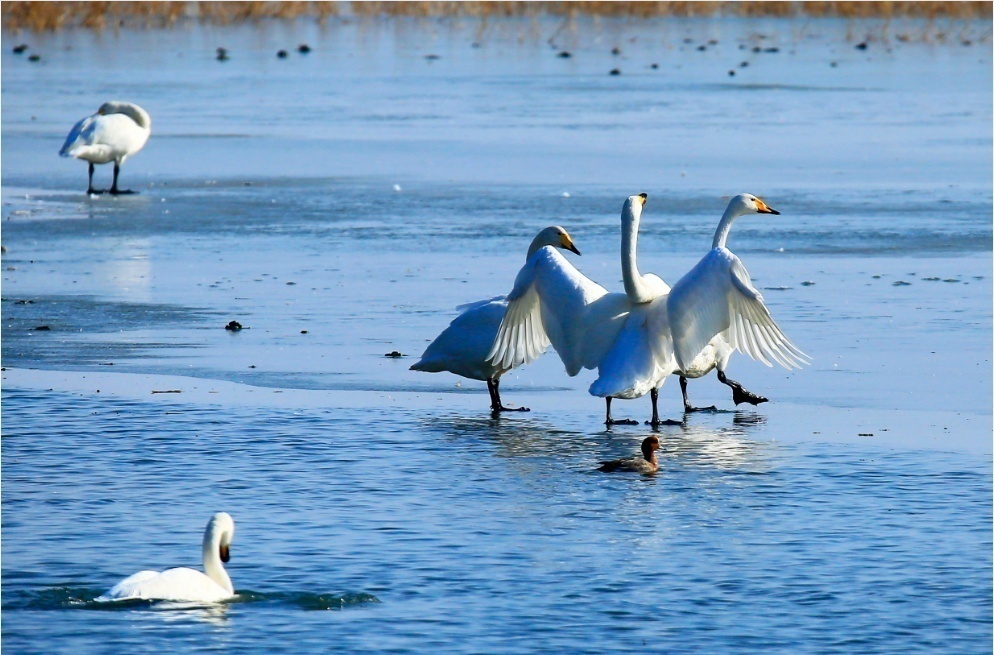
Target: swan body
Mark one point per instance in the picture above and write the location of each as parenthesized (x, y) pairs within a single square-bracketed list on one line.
[(717, 299), (463, 346), (117, 131), (646, 463), (185, 584)]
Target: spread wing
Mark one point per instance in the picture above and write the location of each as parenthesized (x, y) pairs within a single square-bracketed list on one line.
[(546, 305), (717, 297)]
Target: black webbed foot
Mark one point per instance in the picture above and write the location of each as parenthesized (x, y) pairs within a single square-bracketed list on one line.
[(740, 395)]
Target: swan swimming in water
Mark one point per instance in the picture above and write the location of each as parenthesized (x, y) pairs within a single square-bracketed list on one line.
[(184, 584), (462, 347), (646, 463), (116, 131)]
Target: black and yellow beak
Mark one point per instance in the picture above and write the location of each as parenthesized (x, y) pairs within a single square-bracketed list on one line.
[(225, 553), (763, 208), (643, 197), (568, 244)]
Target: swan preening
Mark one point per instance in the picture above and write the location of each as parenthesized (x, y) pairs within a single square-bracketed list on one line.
[(639, 338), (184, 584), (116, 131), (463, 346)]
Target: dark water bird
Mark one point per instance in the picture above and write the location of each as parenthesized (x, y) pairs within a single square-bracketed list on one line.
[(222, 54), (34, 57), (282, 54), (861, 46), (565, 54), (303, 48), (616, 51), (646, 463), (117, 131), (19, 49), (615, 71), (462, 347)]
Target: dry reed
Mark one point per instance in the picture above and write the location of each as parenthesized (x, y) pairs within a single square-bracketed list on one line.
[(49, 16)]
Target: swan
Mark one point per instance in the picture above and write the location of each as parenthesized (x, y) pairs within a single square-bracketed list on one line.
[(553, 302), (646, 464), (717, 298), (666, 337), (462, 347), (116, 131), (183, 584)]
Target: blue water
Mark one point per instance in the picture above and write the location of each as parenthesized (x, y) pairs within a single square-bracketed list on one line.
[(340, 206)]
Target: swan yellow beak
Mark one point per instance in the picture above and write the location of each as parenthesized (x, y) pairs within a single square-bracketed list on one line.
[(763, 208), (568, 244), (225, 553)]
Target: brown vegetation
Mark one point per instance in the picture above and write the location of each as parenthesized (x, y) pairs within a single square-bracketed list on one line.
[(45, 16)]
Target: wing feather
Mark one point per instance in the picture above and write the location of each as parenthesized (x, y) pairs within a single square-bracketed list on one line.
[(717, 296)]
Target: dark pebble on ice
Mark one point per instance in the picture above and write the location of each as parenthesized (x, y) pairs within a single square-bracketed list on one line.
[(702, 48), (834, 64), (42, 328), (931, 279), (432, 57), (654, 66), (564, 54), (615, 50), (743, 64), (756, 48), (233, 326), (866, 434), (19, 49), (303, 48), (282, 54), (615, 71), (731, 73), (901, 283), (222, 54), (394, 354), (807, 283), (34, 58), (861, 46), (772, 50), (303, 331)]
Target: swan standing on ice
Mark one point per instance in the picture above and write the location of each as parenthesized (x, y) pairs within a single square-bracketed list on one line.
[(183, 584), (116, 131), (462, 347), (717, 298)]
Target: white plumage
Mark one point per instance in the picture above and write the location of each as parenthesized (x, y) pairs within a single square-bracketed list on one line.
[(116, 131), (463, 346), (185, 584)]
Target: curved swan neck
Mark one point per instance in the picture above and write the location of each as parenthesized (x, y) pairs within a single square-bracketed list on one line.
[(540, 241), (734, 210), (214, 537), (635, 287)]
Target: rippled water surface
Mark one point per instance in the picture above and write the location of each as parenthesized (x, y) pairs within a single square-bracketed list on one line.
[(341, 205)]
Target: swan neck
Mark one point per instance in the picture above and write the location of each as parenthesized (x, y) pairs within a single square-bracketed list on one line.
[(725, 225), (213, 566), (635, 287), (537, 243)]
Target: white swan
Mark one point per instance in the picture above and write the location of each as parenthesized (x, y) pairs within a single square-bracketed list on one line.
[(462, 347), (686, 332), (717, 298), (183, 584), (116, 131), (553, 302)]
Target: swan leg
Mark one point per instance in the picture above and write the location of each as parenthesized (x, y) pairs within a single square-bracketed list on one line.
[(739, 394), (113, 189), (90, 191), (687, 407), (493, 386), (655, 422), (611, 421)]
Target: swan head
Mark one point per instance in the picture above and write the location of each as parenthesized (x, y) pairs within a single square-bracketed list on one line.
[(218, 535), (633, 207), (750, 204), (133, 111), (649, 446), (554, 236)]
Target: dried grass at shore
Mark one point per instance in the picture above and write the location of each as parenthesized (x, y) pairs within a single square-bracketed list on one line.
[(50, 16)]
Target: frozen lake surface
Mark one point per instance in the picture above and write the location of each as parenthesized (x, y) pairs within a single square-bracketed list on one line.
[(341, 204)]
